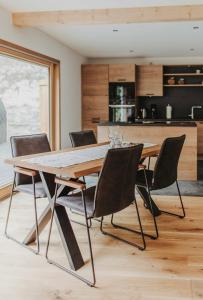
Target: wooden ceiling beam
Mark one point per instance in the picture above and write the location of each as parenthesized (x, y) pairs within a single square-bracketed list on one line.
[(110, 16)]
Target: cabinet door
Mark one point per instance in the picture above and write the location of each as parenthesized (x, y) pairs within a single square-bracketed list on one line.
[(95, 80), (150, 80), (199, 138), (94, 110), (122, 73)]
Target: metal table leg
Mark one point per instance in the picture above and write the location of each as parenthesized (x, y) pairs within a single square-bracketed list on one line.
[(62, 221), (145, 196)]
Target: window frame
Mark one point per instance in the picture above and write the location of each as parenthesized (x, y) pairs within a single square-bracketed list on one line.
[(18, 52)]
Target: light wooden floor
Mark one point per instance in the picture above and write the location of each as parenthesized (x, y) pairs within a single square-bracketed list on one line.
[(170, 268)]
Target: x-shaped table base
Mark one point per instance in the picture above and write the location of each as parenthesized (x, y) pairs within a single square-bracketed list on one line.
[(62, 221)]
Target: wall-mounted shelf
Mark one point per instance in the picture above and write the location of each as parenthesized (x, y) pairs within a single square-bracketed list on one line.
[(121, 105), (183, 74), (183, 85)]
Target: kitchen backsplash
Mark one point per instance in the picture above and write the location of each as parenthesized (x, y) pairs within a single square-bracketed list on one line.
[(181, 100)]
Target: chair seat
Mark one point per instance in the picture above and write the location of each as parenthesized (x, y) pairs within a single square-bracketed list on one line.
[(141, 180), (74, 201), (28, 188)]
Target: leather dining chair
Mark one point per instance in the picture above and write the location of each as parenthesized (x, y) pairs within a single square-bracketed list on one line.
[(114, 192), (25, 180), (165, 172), (82, 138)]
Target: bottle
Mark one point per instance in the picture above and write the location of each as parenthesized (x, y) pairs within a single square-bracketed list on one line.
[(168, 111), (144, 113)]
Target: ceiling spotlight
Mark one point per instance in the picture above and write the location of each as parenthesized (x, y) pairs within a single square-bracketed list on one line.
[(131, 51), (195, 27), (192, 49), (115, 30)]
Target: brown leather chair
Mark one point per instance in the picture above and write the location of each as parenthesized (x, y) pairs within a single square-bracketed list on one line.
[(165, 173), (114, 192), (82, 138), (25, 180)]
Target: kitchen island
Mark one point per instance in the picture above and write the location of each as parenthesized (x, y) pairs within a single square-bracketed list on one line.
[(155, 132)]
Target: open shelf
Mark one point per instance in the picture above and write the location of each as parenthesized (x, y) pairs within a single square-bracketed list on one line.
[(183, 85), (183, 74)]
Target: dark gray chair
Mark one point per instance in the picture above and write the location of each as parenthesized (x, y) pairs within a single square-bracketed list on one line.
[(82, 138), (25, 180), (165, 172), (114, 192)]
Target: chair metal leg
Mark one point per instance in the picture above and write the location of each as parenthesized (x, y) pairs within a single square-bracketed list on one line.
[(91, 284), (77, 222), (151, 207), (182, 206), (36, 221), (149, 160), (9, 207), (36, 218), (124, 228)]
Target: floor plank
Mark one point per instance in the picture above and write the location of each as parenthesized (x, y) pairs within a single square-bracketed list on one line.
[(170, 269)]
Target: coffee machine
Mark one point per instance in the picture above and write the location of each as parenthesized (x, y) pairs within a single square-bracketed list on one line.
[(153, 111)]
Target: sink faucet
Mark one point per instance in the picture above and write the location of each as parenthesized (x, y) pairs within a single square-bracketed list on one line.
[(192, 110)]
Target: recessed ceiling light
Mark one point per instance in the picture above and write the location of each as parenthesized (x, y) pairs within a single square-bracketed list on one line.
[(131, 51), (195, 27), (192, 49), (115, 30)]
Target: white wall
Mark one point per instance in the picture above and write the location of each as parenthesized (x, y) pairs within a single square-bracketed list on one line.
[(70, 69), (148, 60)]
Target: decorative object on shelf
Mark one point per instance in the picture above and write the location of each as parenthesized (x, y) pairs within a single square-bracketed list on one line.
[(181, 81), (171, 80), (168, 111), (198, 71)]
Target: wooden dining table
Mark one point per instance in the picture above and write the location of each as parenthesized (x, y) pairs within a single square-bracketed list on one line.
[(47, 174)]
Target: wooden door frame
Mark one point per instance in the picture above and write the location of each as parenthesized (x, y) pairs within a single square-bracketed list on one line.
[(19, 52)]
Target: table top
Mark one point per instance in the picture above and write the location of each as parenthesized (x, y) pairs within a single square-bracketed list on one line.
[(74, 171)]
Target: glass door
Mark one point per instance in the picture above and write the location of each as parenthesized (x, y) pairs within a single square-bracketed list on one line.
[(24, 105)]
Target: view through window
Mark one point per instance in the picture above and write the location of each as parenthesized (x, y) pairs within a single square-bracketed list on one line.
[(24, 105)]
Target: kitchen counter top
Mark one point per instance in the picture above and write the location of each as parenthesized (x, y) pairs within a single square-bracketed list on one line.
[(156, 133), (151, 123)]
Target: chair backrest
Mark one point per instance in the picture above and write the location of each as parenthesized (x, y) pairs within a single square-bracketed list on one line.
[(26, 145), (116, 185), (82, 138), (166, 167)]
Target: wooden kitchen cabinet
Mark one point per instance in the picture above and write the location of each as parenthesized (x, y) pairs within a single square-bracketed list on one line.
[(122, 73), (95, 80), (95, 99), (94, 110), (199, 139), (150, 80)]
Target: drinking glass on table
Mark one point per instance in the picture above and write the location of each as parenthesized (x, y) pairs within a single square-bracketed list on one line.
[(115, 137)]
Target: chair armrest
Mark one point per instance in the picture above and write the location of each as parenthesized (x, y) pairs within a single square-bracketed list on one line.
[(141, 166), (27, 172), (71, 183)]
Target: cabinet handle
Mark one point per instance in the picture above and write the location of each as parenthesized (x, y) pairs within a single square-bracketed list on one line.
[(96, 120), (121, 79), (149, 94)]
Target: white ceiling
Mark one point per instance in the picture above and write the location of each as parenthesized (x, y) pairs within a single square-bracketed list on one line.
[(35, 5), (146, 40)]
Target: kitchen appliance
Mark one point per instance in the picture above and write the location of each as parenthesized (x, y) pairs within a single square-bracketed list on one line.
[(122, 102), (153, 111)]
